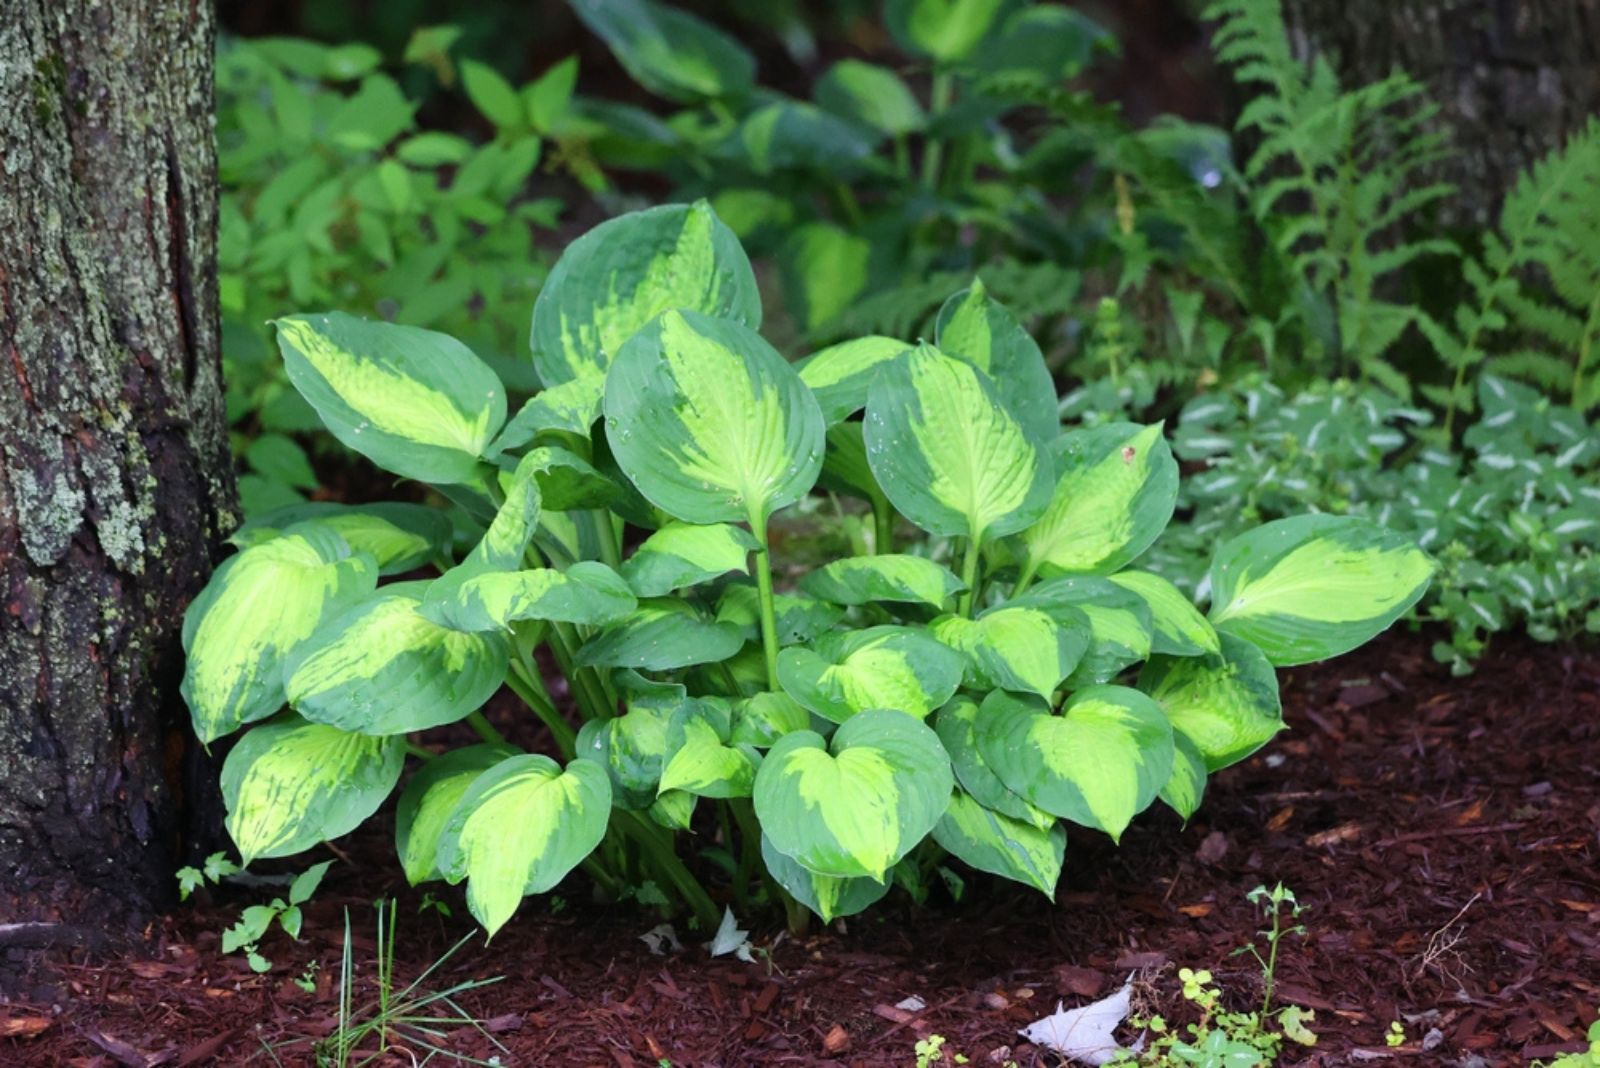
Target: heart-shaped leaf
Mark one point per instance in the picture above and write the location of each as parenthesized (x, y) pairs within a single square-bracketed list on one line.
[(399, 537), (1177, 627), (1100, 762), (633, 748), (1015, 648), (501, 548), (429, 799), (680, 555), (944, 30), (975, 327), (1226, 703), (702, 761), (1118, 620), (876, 668), (572, 407), (886, 577), (956, 725), (991, 842), (828, 897), (710, 422), (855, 807)]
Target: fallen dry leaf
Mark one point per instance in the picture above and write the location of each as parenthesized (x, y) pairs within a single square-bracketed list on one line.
[(837, 1040), (1345, 832), (24, 1026), (1204, 908)]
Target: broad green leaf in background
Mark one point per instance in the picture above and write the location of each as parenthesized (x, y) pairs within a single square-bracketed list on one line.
[(1099, 762), (520, 828), (794, 135), (491, 94), (824, 270), (995, 843), (1314, 586), (1226, 703), (845, 468), (948, 452), (956, 725), (840, 374), (870, 94), (623, 273), (1046, 43), (1178, 628), (800, 618), (290, 784), (587, 592), (710, 422), (1014, 648), (944, 30), (398, 536), (855, 806), (845, 674), (571, 407), (1187, 784), (670, 52), (825, 895), (885, 577), (257, 608), (381, 668), (429, 799), (680, 555), (567, 481), (975, 327), (412, 401), (1115, 491), (661, 634)]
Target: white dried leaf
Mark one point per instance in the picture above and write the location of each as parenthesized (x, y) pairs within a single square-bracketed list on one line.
[(1086, 1034), (661, 938), (729, 939), (912, 1004)]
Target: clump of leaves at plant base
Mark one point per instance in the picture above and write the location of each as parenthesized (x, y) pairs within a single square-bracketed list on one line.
[(973, 691)]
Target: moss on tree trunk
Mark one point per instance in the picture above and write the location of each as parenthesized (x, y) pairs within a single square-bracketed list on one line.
[(116, 484)]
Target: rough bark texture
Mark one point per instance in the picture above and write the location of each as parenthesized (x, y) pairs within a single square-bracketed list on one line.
[(1514, 78), (115, 479)]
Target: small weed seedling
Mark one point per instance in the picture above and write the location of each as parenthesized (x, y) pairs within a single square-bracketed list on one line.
[(1589, 1058), (256, 920)]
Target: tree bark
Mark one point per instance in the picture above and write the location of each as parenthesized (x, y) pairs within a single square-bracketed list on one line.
[(1513, 78), (116, 484)]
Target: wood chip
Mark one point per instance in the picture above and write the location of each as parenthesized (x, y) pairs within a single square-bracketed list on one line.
[(837, 1040), (1345, 832), (24, 1026)]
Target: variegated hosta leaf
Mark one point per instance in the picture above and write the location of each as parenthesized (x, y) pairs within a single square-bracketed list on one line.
[(670, 52), (1014, 648), (572, 407), (840, 374), (949, 454), (567, 481), (1115, 491), (412, 401), (623, 273), (632, 748), (1177, 627), (1120, 630), (762, 719), (825, 895), (870, 94), (956, 725), (588, 593), (661, 634), (290, 784), (258, 606), (1315, 586), (1227, 704), (673, 810), (877, 668), (800, 618), (429, 799), (845, 468), (855, 807), (1000, 845), (398, 536), (1100, 762), (680, 555), (1186, 786), (975, 327), (381, 668), (886, 577), (501, 548), (520, 828), (703, 760), (710, 422), (946, 30)]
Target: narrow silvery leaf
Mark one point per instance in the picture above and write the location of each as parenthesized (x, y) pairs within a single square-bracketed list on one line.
[(886, 667), (1177, 627), (1015, 648), (853, 807), (520, 828), (257, 608), (623, 273), (995, 843), (1099, 762), (1315, 586), (1226, 703), (975, 327), (290, 784), (948, 453), (412, 401), (680, 555), (429, 799), (398, 536), (710, 422), (825, 895), (885, 577), (956, 725)]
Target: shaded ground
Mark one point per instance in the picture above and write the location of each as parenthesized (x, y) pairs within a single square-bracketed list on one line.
[(1445, 834)]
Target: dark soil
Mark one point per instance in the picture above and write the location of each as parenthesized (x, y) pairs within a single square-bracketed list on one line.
[(1444, 833)]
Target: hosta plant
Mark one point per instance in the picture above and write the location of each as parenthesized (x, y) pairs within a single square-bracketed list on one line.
[(969, 689)]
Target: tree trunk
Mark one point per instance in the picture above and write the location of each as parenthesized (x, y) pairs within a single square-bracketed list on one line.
[(1513, 78), (116, 484)]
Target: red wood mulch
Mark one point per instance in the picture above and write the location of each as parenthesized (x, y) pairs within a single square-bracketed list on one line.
[(1445, 834)]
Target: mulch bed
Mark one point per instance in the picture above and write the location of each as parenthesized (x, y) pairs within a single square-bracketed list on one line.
[(1445, 834)]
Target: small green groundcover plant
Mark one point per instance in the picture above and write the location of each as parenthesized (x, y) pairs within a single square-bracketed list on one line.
[(844, 733)]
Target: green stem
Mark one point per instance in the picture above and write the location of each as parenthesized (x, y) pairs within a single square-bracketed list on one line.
[(662, 857), (939, 101), (1030, 567), (484, 729), (969, 578), (533, 694), (769, 615), (882, 526), (902, 157), (610, 551), (585, 684), (610, 885), (417, 751)]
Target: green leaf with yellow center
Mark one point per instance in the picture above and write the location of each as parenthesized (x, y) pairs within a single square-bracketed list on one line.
[(1226, 703), (661, 634), (1186, 786), (1099, 762), (845, 674), (975, 327), (702, 759), (853, 807), (710, 422), (885, 577), (1014, 648), (428, 800), (568, 408), (995, 843), (1118, 620), (945, 30), (257, 608), (840, 374), (619, 276), (1177, 626), (501, 548), (520, 828), (957, 727), (289, 785), (382, 668), (948, 452), (761, 719), (670, 52), (414, 402), (800, 618), (825, 895), (587, 593), (400, 537), (680, 555), (1315, 586), (1115, 491)]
